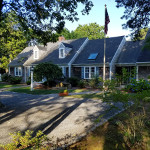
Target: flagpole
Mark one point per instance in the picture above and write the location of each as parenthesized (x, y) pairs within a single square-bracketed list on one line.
[(104, 58), (104, 51)]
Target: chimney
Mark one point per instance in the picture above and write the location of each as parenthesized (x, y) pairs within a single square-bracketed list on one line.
[(61, 38)]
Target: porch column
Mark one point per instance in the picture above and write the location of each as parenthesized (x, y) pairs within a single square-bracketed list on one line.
[(69, 71), (25, 75), (110, 72), (137, 73)]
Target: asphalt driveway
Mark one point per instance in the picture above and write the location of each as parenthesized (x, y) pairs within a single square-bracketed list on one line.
[(58, 117)]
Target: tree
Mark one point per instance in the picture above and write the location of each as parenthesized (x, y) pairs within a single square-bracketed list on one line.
[(44, 15), (137, 14), (67, 34), (142, 34), (47, 70), (92, 31), (12, 39)]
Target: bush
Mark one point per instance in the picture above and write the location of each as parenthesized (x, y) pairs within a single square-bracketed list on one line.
[(26, 141), (138, 86), (95, 82), (6, 77), (132, 129), (73, 81), (110, 84), (28, 82), (82, 83), (15, 80)]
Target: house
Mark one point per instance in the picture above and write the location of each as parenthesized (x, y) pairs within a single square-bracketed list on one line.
[(83, 58)]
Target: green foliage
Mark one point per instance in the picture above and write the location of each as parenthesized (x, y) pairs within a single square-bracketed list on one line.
[(47, 70), (12, 39), (140, 14), (141, 34), (82, 83), (138, 86), (28, 82), (26, 141), (5, 77), (15, 80), (132, 129), (44, 15), (95, 82), (92, 31), (110, 85), (117, 96), (73, 81)]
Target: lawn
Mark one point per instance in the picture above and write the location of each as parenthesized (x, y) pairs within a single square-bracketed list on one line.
[(2, 85), (44, 91), (128, 130)]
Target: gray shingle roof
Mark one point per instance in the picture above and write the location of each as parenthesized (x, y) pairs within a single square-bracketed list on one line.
[(67, 45), (130, 52), (22, 57), (44, 48), (144, 56), (97, 46), (53, 55)]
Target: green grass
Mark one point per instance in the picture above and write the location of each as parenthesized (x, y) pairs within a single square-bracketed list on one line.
[(92, 96), (8, 85), (44, 91)]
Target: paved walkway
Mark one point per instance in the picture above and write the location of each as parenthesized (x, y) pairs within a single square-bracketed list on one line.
[(58, 117)]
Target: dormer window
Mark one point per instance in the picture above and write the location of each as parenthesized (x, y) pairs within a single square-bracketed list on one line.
[(61, 53), (36, 55)]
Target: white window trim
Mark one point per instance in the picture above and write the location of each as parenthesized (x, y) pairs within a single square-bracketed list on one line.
[(60, 53), (18, 71), (90, 71), (37, 54)]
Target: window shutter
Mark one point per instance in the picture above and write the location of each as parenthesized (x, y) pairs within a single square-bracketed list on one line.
[(65, 71), (97, 71), (82, 72)]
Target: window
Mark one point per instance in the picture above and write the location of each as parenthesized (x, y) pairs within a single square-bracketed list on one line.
[(92, 56), (36, 56), (18, 71), (61, 53), (89, 72)]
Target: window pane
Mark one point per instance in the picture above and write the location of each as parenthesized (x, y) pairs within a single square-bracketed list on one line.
[(16, 71), (92, 72), (61, 53), (86, 75), (86, 69), (19, 71)]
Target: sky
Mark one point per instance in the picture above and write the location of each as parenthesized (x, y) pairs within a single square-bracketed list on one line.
[(97, 15)]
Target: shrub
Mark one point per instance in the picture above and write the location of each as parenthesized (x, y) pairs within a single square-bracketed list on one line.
[(15, 80), (132, 129), (95, 82), (82, 83), (110, 84), (28, 82), (138, 86), (73, 81), (6, 77), (26, 141)]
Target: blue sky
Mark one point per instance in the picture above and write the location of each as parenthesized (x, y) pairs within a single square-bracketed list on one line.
[(97, 15)]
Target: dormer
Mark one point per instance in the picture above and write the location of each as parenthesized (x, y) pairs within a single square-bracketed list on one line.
[(36, 52), (64, 50)]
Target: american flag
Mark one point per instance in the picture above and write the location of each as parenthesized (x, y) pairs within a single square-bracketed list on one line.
[(106, 20)]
